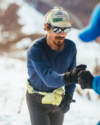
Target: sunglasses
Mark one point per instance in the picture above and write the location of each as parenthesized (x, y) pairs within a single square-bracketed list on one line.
[(58, 30)]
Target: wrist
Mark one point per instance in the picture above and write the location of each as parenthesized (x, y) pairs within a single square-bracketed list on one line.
[(95, 84), (67, 78), (91, 82), (68, 97)]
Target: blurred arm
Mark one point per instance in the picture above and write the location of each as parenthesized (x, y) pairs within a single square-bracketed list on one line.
[(96, 84)]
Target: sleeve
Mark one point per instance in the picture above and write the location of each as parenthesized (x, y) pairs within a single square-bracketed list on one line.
[(96, 84), (92, 30), (43, 69), (98, 123), (70, 89), (95, 17)]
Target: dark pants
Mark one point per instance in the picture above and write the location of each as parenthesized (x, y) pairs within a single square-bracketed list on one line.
[(43, 114)]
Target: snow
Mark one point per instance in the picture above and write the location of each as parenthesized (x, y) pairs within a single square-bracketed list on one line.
[(24, 43), (13, 75), (83, 112), (13, 88), (33, 20), (5, 3)]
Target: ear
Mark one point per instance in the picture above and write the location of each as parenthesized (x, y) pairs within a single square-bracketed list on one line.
[(46, 27)]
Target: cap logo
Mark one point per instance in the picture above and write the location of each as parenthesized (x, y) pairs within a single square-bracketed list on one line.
[(57, 19)]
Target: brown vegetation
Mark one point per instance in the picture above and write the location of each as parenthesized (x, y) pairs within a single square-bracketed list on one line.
[(10, 32), (96, 68)]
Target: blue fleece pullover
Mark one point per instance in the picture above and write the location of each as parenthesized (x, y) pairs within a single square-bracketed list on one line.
[(92, 31), (46, 67), (96, 84)]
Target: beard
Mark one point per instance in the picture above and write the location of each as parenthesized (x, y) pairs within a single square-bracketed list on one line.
[(59, 43), (59, 38)]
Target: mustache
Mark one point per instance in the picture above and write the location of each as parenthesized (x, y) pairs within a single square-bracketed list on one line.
[(59, 37)]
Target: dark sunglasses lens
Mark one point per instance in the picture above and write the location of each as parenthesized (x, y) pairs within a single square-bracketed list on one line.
[(57, 30), (67, 30)]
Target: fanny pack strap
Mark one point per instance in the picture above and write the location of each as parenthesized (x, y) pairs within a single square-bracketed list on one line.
[(54, 97)]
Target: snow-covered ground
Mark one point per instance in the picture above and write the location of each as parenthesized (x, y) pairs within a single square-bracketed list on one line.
[(12, 98), (13, 74)]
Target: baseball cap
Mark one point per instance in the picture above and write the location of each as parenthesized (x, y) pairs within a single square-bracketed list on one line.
[(58, 17), (92, 30)]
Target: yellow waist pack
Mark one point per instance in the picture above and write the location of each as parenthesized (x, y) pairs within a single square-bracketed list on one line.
[(53, 98)]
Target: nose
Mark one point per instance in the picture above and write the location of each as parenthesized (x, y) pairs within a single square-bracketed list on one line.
[(62, 32)]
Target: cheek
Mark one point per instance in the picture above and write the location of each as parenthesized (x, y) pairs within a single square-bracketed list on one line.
[(54, 35), (65, 34)]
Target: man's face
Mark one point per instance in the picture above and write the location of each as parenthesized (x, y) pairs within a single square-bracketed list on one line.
[(57, 39)]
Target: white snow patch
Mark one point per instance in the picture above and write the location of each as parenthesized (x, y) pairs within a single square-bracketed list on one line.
[(24, 43), (32, 19), (13, 75)]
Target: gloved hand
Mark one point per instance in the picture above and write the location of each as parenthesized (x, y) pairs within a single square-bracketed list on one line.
[(65, 103), (70, 77), (85, 79)]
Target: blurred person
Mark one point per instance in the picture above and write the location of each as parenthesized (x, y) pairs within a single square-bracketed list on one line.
[(89, 33), (51, 63)]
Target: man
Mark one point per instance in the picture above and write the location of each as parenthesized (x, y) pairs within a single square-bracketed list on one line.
[(49, 61), (89, 33)]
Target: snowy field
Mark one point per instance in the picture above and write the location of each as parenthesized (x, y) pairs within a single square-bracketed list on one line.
[(13, 108), (13, 74)]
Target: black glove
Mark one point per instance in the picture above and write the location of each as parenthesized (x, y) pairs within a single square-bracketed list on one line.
[(85, 79), (65, 103), (72, 76)]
